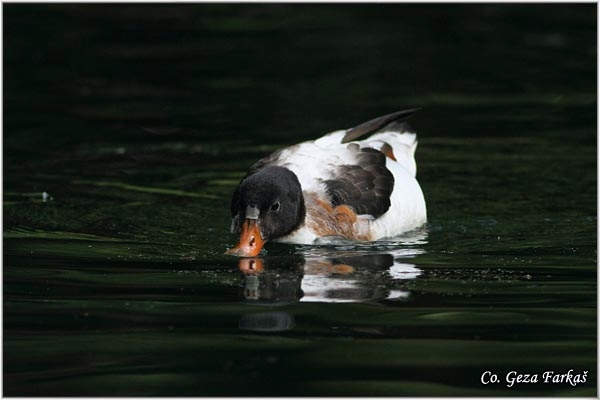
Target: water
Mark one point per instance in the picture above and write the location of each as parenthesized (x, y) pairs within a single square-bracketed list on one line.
[(138, 122)]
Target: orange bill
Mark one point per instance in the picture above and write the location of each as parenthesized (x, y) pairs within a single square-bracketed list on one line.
[(251, 241)]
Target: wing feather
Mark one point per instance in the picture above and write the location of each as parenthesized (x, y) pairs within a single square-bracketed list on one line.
[(366, 185)]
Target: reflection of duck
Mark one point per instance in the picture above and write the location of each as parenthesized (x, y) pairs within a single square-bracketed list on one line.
[(271, 281), (267, 322), (333, 186), (365, 277), (355, 278)]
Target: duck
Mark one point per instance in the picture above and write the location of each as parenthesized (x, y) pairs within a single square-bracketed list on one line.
[(336, 186)]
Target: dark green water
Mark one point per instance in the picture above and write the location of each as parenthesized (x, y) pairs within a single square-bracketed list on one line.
[(138, 121)]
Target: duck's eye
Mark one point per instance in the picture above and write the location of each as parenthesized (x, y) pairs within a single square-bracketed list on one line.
[(275, 206)]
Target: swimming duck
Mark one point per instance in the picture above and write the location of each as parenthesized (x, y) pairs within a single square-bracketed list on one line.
[(334, 186)]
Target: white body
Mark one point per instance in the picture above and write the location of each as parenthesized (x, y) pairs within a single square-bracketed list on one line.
[(315, 161)]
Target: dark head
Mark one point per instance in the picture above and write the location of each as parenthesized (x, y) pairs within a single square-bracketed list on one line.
[(266, 205)]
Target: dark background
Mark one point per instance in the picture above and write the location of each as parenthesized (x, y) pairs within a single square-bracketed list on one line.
[(280, 72)]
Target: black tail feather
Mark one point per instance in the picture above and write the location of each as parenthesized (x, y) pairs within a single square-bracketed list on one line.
[(376, 124)]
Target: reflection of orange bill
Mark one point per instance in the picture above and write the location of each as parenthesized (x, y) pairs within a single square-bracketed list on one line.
[(251, 241), (250, 266)]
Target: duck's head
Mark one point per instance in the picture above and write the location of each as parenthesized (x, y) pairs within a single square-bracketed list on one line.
[(267, 204)]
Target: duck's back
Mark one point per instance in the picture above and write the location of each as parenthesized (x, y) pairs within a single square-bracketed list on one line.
[(371, 181)]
